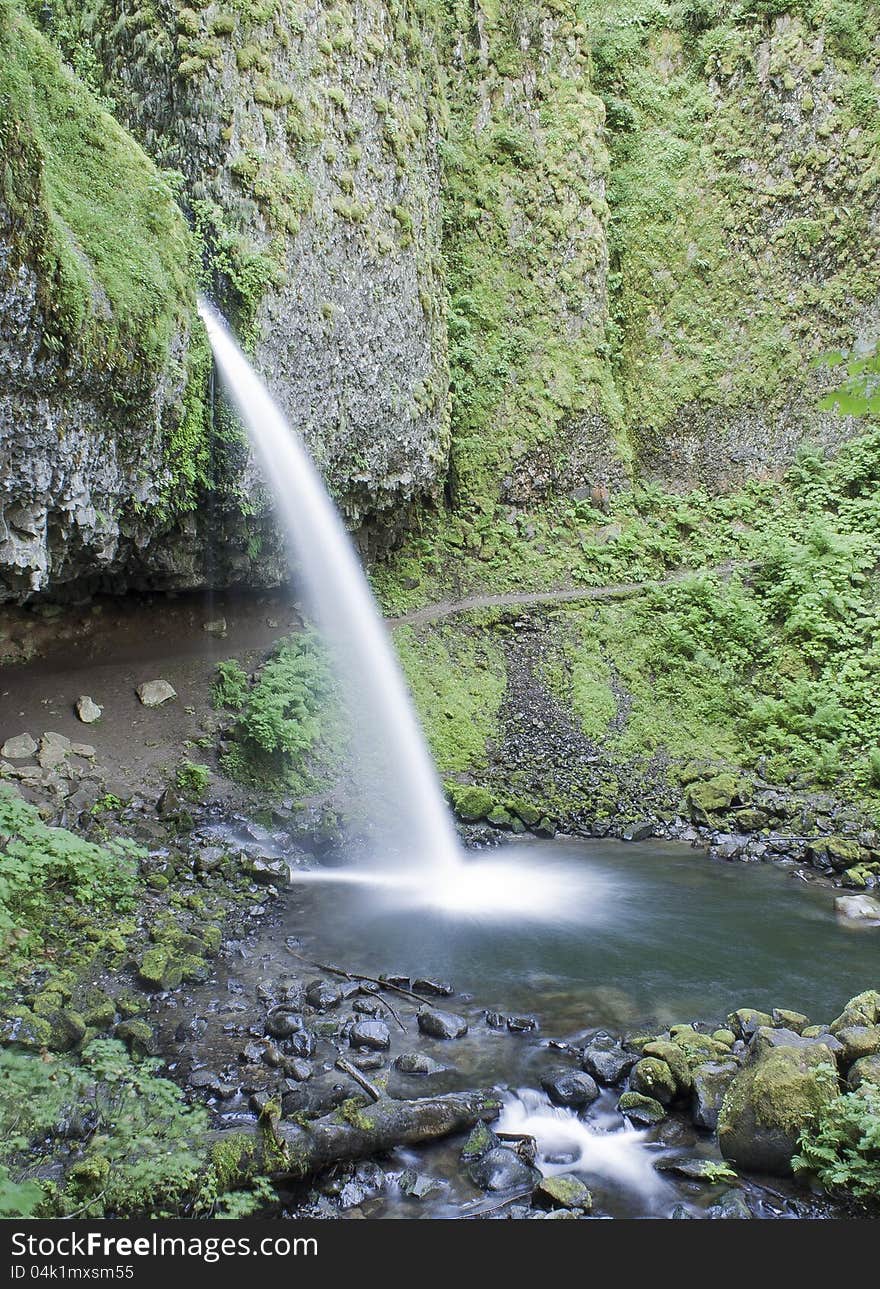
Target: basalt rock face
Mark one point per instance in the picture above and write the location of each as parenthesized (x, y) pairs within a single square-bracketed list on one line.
[(307, 137)]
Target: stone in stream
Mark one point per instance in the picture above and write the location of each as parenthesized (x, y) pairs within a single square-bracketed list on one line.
[(373, 1034), (298, 1069), (570, 1088), (153, 693), (321, 994), (732, 1204), (416, 1185), (652, 1077), (501, 1169), (641, 1109), (438, 988), (480, 1141), (784, 1019), (858, 1041), (711, 1081), (863, 909), (417, 1063), (563, 1191), (19, 748), (88, 710), (608, 1065), (697, 1169), (366, 1060), (283, 1021), (439, 1024), (521, 1024)]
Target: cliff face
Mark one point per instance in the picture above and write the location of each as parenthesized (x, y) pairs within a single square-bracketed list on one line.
[(507, 248)]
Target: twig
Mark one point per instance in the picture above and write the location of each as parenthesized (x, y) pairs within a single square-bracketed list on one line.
[(88, 1204), (370, 1088), (348, 975), (493, 1208)]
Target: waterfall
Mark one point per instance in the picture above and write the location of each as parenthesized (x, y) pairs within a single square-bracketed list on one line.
[(390, 763)]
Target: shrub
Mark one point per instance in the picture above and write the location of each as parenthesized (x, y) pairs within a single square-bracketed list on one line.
[(842, 1148)]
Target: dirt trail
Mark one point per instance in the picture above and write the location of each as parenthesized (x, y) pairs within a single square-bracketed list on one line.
[(564, 595)]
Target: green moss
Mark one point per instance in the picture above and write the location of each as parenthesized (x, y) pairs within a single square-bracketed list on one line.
[(469, 802), (90, 212)]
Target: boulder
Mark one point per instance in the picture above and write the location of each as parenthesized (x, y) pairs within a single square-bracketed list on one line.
[(417, 1063), (653, 1078), (501, 1169), (641, 1109), (865, 1070), (863, 909), (321, 995), (769, 1102), (765, 1038), (784, 1019), (153, 693), (88, 710), (373, 1034), (19, 748), (480, 1141), (440, 1024), (747, 1020), (608, 1065), (563, 1191), (863, 1009), (416, 1185), (858, 1041), (732, 1204), (676, 1058), (570, 1088), (711, 1081), (838, 853)]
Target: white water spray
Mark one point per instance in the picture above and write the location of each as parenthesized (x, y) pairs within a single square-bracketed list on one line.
[(388, 742)]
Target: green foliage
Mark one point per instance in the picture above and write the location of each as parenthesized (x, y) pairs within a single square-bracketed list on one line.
[(842, 1148), (43, 868), (193, 780), (230, 687)]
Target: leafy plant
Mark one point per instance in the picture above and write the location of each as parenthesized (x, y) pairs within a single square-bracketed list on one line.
[(842, 1148)]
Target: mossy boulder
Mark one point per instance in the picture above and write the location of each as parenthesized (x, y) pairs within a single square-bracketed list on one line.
[(641, 1109), (525, 811), (99, 1009), (472, 803), (716, 795), (24, 1028), (67, 1029), (838, 853), (770, 1102), (563, 1191), (784, 1019), (711, 1081), (137, 1036), (652, 1077), (863, 1009), (676, 1058), (746, 1021), (159, 969), (865, 1070), (858, 1041)]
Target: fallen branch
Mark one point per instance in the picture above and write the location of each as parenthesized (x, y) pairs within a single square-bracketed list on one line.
[(359, 975), (283, 1149), (370, 1088)]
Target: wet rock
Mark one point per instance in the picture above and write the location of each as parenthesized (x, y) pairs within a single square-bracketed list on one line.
[(608, 1065), (570, 1088), (862, 909), (440, 1024), (858, 1041), (153, 693), (436, 987), (19, 748), (834, 852), (653, 1078), (88, 710), (367, 1007), (298, 1069), (732, 1204), (495, 1020), (301, 1044), (784, 1019), (711, 1081), (563, 1191), (521, 1024), (697, 1169), (137, 1036), (253, 1052), (416, 1185), (366, 1060), (281, 1022), (207, 1080), (67, 1029), (321, 995), (417, 1063), (638, 831), (501, 1169), (158, 969), (99, 1009), (373, 1034), (480, 1141), (865, 1070), (769, 1102), (747, 1020), (641, 1109), (265, 870)]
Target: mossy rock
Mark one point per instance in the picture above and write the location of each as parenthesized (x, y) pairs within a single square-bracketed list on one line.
[(642, 1109), (714, 796), (137, 1035), (194, 969), (471, 803), (863, 1009), (746, 1021), (865, 1070), (158, 969), (751, 820), (653, 1078), (838, 853), (67, 1029), (769, 1104), (525, 811), (698, 1048), (129, 1004), (563, 1191), (675, 1056), (480, 1141), (89, 1176), (725, 1037), (99, 1009), (23, 1028), (785, 1019), (500, 817), (858, 1041)]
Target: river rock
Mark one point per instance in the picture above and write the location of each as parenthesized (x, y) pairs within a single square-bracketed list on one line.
[(746, 1020), (417, 1063), (439, 988), (88, 710), (570, 1088), (321, 995), (862, 909), (283, 1021), (863, 1009), (858, 1041), (652, 1077), (501, 1169), (763, 1039), (265, 870), (607, 1062), (732, 1204), (768, 1104), (439, 1024), (153, 693), (711, 1081), (416, 1185), (641, 1109), (19, 748), (521, 1024), (865, 1070), (563, 1191), (370, 1033)]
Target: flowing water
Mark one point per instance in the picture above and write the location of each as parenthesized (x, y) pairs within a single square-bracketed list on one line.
[(389, 753)]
